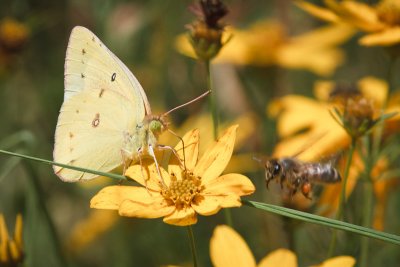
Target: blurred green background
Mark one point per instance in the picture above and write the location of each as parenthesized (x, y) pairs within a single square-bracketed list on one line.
[(142, 35)]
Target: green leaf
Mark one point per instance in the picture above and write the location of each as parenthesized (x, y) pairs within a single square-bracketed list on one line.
[(320, 220)]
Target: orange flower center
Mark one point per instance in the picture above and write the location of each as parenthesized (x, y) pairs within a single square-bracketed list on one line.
[(389, 12), (182, 192)]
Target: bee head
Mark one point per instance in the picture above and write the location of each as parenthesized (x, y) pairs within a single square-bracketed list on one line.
[(273, 170)]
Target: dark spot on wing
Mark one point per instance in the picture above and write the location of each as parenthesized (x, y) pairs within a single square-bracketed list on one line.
[(96, 120), (113, 76), (93, 38), (71, 149), (83, 51), (83, 75), (71, 135), (101, 92), (77, 111)]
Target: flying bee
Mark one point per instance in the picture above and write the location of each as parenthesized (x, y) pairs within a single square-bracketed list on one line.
[(294, 174)]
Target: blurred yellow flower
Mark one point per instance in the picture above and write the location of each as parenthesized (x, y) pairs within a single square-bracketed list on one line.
[(13, 34), (13, 37), (227, 248), (196, 189), (266, 43), (11, 250), (381, 21), (89, 229), (303, 122)]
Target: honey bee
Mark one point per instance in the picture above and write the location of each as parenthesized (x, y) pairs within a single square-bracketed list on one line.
[(294, 174)]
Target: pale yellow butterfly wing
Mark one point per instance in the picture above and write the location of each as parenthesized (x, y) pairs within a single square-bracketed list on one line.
[(103, 102), (90, 133)]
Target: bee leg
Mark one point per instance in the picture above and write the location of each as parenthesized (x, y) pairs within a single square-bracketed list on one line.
[(267, 182), (282, 180)]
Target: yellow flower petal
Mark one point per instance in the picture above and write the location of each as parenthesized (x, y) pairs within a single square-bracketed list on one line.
[(228, 249), (388, 37), (359, 14), (191, 144), (280, 257), (111, 197), (215, 158), (156, 209), (3, 239), (229, 184), (182, 217), (18, 231), (209, 205), (374, 89), (340, 261), (319, 12), (206, 205), (147, 175)]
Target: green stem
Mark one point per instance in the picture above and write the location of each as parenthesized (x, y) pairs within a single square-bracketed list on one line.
[(215, 118), (368, 195), (213, 101), (192, 245), (342, 199), (37, 196), (49, 162)]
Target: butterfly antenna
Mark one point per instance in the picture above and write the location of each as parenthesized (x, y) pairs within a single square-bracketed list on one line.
[(187, 103), (183, 148)]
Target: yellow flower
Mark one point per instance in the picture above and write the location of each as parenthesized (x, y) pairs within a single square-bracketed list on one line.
[(13, 35), (266, 43), (323, 135), (381, 22), (198, 189), (11, 251), (90, 228), (227, 248)]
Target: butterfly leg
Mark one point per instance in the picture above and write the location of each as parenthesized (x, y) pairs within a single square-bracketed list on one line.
[(151, 152), (182, 163), (141, 170), (127, 161)]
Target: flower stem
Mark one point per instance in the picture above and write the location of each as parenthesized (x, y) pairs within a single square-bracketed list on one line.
[(192, 245), (213, 100), (215, 118), (342, 199), (367, 215)]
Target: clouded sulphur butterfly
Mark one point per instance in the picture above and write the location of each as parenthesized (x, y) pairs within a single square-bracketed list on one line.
[(106, 117)]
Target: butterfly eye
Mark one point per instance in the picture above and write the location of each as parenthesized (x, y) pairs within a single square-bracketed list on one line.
[(277, 169)]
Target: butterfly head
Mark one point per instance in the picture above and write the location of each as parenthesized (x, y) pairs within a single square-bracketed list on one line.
[(157, 124)]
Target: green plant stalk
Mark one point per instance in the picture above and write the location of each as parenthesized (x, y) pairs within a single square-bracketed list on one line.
[(192, 245), (342, 199), (320, 220), (37, 194), (368, 194), (48, 162), (215, 119), (213, 100)]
